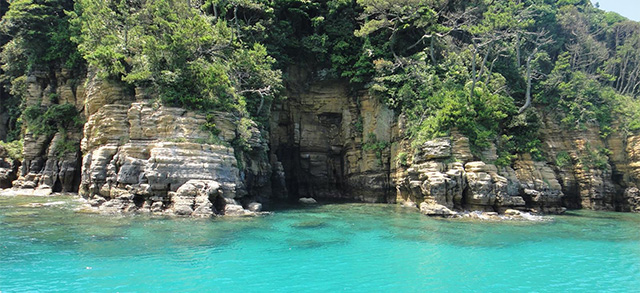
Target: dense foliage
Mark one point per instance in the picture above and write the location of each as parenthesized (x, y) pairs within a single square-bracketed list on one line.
[(36, 37), (479, 66), (487, 69), (190, 59)]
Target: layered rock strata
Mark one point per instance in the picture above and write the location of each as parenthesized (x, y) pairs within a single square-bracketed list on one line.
[(336, 144), (51, 162), (439, 181), (140, 156), (325, 142), (332, 144)]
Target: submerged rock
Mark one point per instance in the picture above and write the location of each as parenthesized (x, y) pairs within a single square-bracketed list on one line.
[(307, 200), (255, 207), (194, 198), (512, 212), (431, 208), (26, 192), (409, 204), (45, 204), (509, 215)]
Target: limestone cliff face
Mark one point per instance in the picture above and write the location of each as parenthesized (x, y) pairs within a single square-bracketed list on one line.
[(581, 170), (45, 168), (613, 184), (319, 135), (443, 176), (140, 156), (336, 144), (324, 142), (625, 162)]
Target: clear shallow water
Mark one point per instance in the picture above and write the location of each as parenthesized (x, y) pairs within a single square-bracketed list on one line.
[(348, 247)]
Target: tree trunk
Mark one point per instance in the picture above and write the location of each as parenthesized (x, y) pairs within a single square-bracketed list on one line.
[(493, 62), (261, 104), (473, 72), (631, 80), (518, 52), (527, 102), (475, 75), (431, 51)]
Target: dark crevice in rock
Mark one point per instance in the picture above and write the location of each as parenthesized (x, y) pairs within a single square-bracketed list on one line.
[(289, 157), (219, 203), (138, 200), (57, 185)]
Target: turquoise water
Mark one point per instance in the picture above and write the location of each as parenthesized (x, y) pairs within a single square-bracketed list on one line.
[(348, 247)]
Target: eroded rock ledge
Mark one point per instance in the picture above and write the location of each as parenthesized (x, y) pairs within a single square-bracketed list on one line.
[(325, 142), (439, 181), (143, 157)]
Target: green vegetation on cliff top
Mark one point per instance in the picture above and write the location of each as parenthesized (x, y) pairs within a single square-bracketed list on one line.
[(487, 69)]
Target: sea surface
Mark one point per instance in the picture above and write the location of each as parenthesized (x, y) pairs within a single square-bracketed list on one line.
[(324, 248)]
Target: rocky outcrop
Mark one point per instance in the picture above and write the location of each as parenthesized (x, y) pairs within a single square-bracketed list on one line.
[(595, 171), (442, 178), (195, 198), (51, 162), (325, 142), (333, 144), (631, 200), (140, 156), (539, 185), (47, 169), (430, 207), (581, 170), (307, 200), (8, 169), (625, 163)]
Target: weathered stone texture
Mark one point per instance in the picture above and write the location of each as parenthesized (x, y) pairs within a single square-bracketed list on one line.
[(319, 134), (46, 167), (141, 156), (8, 169), (325, 142), (441, 185)]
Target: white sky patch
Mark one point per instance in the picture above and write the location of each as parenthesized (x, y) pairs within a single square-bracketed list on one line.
[(627, 8)]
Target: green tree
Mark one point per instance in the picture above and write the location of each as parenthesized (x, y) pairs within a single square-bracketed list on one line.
[(173, 48), (42, 28)]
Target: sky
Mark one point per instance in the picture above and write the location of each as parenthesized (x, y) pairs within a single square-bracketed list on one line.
[(627, 8)]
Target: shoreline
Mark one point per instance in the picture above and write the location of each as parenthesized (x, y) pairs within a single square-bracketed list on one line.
[(85, 206)]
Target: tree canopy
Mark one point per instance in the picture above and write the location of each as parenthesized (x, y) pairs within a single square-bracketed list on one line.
[(485, 68)]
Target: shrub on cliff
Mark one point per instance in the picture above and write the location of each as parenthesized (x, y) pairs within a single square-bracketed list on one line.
[(35, 37), (56, 118), (190, 59), (13, 149), (471, 65)]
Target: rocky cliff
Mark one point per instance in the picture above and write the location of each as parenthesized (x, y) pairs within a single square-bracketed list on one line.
[(336, 144), (141, 156), (8, 168), (51, 160), (135, 155), (325, 142), (319, 134)]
